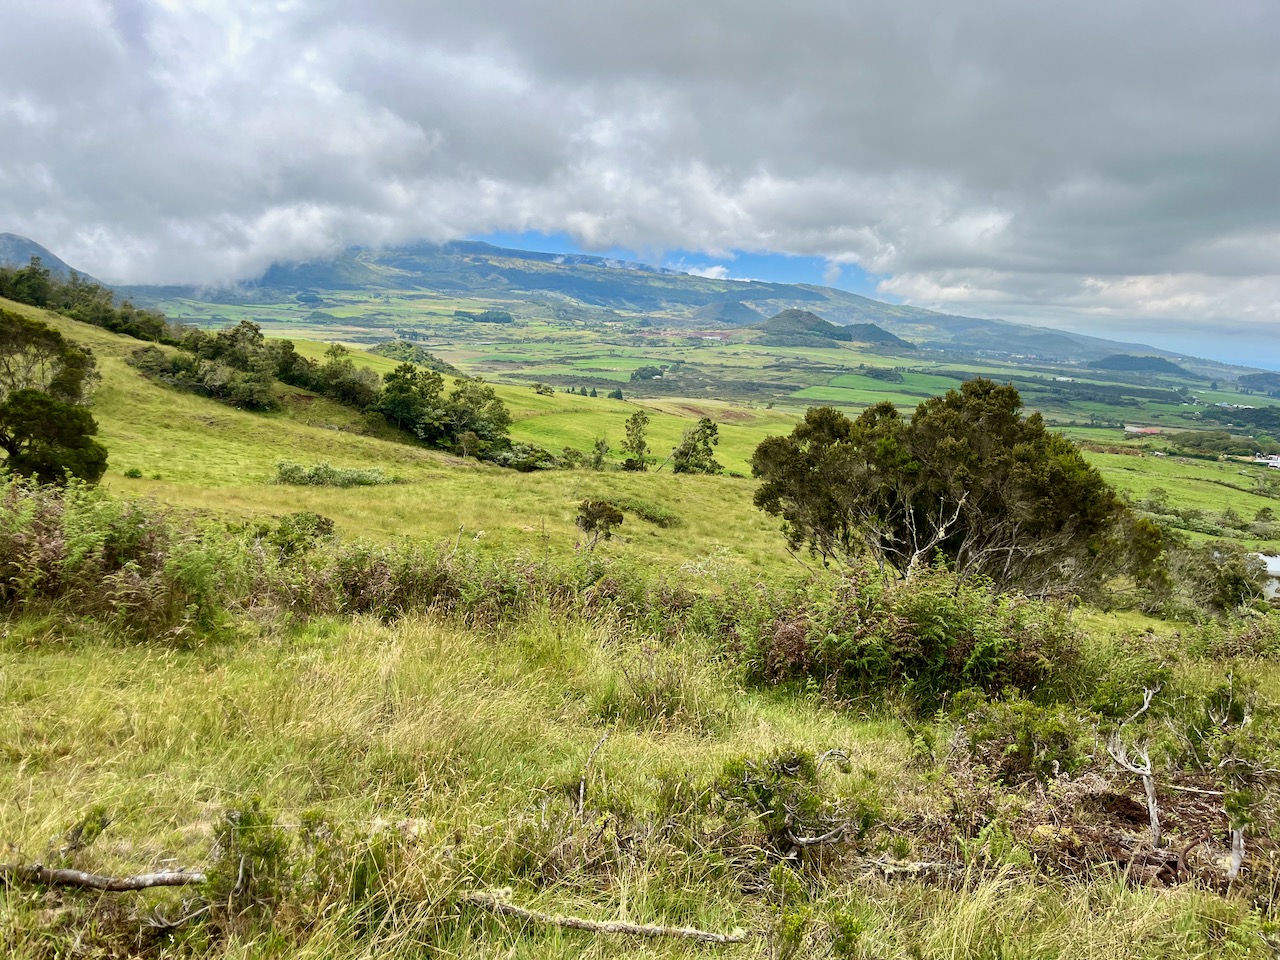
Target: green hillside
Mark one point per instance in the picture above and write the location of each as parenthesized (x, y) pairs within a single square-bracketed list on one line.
[(196, 453), (370, 293), (370, 744)]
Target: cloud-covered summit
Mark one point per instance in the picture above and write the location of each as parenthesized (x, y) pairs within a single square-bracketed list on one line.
[(1097, 164)]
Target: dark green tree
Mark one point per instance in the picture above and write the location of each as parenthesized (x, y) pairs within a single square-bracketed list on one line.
[(44, 429), (636, 446), (596, 519), (46, 438), (340, 379), (694, 454), (412, 399), (599, 454), (474, 406), (968, 477), (32, 284)]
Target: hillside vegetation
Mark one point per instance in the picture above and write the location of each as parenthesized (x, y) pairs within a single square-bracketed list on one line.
[(373, 716)]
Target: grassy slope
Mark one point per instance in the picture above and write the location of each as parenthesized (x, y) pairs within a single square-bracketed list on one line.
[(473, 737), (465, 747), (212, 457)]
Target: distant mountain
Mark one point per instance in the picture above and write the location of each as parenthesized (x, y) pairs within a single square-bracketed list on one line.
[(582, 287), (800, 328), (1148, 364), (16, 251)]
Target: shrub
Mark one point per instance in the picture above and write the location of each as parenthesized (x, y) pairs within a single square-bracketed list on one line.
[(126, 562), (1020, 741), (596, 519), (925, 639), (524, 457), (785, 798), (655, 513), (324, 475)]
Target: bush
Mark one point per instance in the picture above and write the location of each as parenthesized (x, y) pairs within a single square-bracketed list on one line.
[(524, 457), (324, 475), (655, 513), (925, 639), (1020, 741), (126, 562), (784, 796)]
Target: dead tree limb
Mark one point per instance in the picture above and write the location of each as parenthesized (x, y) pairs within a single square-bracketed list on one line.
[(48, 876), (495, 904), (829, 754), (1120, 754), (1148, 694)]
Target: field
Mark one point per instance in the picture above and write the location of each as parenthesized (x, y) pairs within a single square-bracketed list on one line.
[(595, 733)]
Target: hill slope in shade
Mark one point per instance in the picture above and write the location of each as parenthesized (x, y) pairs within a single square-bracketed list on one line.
[(790, 327), (1130, 363), (16, 251)]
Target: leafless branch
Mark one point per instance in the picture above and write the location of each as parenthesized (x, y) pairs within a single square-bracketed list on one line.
[(48, 876), (1120, 754), (834, 835), (829, 754), (1148, 694)]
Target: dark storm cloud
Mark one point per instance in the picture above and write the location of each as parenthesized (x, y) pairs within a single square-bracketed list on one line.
[(1088, 163)]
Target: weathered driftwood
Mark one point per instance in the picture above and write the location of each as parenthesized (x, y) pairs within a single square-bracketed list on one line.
[(496, 904), (51, 877)]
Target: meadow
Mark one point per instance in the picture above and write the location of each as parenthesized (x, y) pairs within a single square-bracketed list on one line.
[(614, 734)]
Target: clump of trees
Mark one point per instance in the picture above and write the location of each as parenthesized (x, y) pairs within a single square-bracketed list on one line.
[(408, 352), (45, 430), (1218, 443), (239, 366), (82, 300), (485, 316), (967, 477)]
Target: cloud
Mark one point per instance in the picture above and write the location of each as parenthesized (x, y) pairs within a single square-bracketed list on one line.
[(716, 272), (1063, 163)]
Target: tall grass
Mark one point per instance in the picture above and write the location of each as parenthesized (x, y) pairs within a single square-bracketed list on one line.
[(371, 730)]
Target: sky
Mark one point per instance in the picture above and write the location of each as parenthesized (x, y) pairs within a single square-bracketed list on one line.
[(1111, 168)]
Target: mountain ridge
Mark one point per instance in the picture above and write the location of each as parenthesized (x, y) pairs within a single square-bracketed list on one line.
[(17, 251), (617, 289)]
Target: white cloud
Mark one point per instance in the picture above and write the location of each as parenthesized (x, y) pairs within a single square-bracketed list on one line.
[(715, 272), (1043, 162)]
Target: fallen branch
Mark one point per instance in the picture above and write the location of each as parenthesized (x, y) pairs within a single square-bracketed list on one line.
[(48, 876), (827, 755), (908, 869), (834, 835), (495, 904)]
